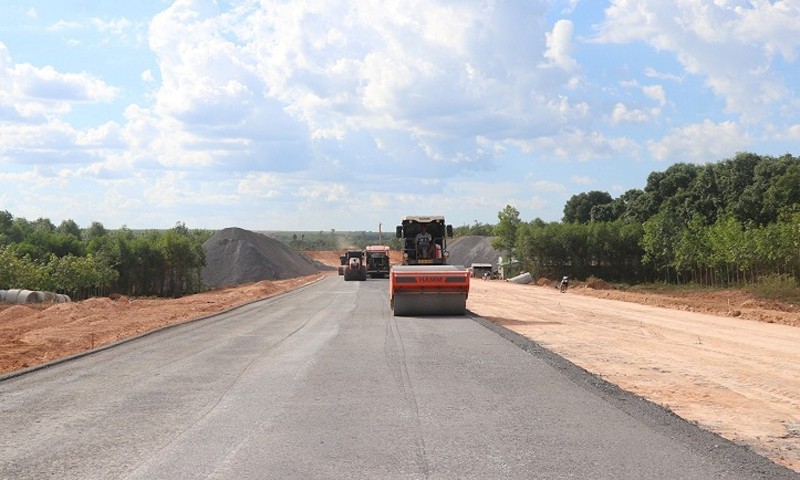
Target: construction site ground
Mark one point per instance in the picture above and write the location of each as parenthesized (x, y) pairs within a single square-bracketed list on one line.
[(723, 360)]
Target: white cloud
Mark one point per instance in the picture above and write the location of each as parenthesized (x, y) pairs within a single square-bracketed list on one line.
[(369, 70), (792, 133), (653, 73), (730, 44), (583, 180), (170, 189), (622, 114), (700, 143), (656, 92), (40, 93), (559, 46), (47, 84), (147, 76), (335, 193), (62, 25), (570, 6), (48, 143), (117, 26), (579, 145), (262, 185), (548, 186), (27, 177), (106, 134)]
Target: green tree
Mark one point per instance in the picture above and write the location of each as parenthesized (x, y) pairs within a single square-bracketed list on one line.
[(692, 254), (783, 195), (660, 237), (95, 230), (725, 241), (506, 230), (578, 208), (148, 271), (478, 228), (183, 258), (69, 227), (735, 176)]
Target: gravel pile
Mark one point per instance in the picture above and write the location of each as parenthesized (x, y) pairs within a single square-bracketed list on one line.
[(235, 256), (472, 249)]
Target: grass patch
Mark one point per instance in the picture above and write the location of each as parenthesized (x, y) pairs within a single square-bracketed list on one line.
[(663, 288), (776, 287), (782, 288)]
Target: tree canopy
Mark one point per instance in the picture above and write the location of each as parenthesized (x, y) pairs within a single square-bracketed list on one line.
[(66, 259), (718, 223)]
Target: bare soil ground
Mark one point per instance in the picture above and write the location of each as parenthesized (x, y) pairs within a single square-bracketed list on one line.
[(722, 359)]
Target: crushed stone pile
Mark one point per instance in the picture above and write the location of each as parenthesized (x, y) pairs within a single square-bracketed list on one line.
[(235, 256), (472, 249)]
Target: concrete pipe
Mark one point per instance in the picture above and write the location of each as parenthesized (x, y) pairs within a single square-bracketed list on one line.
[(11, 295), (28, 296), (523, 278), (47, 297)]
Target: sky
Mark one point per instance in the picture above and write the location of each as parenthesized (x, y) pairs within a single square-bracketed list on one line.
[(350, 114)]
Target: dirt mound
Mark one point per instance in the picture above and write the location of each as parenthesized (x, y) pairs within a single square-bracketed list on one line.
[(597, 284), (16, 311), (327, 257), (544, 282), (235, 256), (472, 249)]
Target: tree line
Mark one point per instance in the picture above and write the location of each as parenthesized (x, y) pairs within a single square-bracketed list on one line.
[(37, 255), (725, 223), (335, 240)]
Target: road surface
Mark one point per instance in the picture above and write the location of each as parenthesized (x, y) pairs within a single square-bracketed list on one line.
[(323, 382)]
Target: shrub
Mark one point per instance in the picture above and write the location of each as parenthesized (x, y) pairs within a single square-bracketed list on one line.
[(776, 286)]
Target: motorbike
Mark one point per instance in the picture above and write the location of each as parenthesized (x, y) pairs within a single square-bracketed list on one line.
[(564, 284)]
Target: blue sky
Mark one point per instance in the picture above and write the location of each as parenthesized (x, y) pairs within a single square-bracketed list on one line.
[(308, 115)]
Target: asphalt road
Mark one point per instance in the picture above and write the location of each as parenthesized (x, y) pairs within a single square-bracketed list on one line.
[(324, 382)]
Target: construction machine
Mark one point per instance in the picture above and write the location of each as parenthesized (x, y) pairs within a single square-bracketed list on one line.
[(425, 284), (377, 260), (355, 268)]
